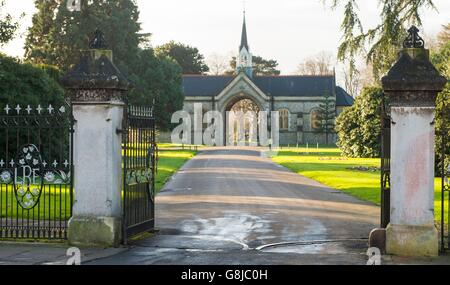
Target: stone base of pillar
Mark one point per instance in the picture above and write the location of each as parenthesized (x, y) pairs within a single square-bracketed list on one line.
[(95, 231), (412, 240)]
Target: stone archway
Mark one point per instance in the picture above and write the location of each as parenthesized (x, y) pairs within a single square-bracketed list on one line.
[(247, 105)]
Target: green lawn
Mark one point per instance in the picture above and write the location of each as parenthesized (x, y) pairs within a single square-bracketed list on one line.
[(169, 162), (327, 166), (54, 204)]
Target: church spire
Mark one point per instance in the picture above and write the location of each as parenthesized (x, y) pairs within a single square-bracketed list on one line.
[(244, 42), (245, 60)]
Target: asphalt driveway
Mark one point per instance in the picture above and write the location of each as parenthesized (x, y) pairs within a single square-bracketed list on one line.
[(235, 206)]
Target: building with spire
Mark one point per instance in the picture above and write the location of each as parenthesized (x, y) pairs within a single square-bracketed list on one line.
[(299, 99), (245, 60)]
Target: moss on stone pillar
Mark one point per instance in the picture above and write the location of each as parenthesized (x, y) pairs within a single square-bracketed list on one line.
[(95, 231)]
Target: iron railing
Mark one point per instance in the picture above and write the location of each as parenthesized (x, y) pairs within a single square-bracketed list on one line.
[(36, 171), (445, 178)]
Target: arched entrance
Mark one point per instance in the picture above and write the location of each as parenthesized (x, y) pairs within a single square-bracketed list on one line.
[(243, 118)]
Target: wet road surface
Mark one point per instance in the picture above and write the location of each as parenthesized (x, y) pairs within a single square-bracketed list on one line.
[(235, 206)]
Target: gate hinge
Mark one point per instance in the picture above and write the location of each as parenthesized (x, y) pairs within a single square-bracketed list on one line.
[(121, 131)]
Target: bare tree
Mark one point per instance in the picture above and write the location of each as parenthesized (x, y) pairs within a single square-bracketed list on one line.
[(366, 76), (319, 64), (352, 80), (245, 105), (444, 35), (217, 63)]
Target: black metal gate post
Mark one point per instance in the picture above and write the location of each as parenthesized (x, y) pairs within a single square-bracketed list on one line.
[(385, 163), (36, 171), (140, 155), (445, 179)]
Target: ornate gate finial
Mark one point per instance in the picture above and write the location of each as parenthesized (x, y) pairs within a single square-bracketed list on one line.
[(98, 42), (413, 40)]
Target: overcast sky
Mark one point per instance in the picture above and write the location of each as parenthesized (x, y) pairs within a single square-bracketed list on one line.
[(285, 30)]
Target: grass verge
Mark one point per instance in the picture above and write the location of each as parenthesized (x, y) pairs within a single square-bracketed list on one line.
[(359, 177), (169, 163)]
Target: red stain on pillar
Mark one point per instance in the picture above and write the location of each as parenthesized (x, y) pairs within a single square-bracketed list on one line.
[(416, 172)]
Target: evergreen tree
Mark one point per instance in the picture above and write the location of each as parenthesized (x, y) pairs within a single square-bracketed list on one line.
[(58, 35), (25, 84), (378, 44), (157, 79), (359, 126), (8, 26), (261, 66), (38, 43), (327, 115), (189, 58)]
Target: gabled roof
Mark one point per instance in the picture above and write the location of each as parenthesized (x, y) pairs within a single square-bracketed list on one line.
[(306, 86), (343, 98), (202, 85), (245, 82)]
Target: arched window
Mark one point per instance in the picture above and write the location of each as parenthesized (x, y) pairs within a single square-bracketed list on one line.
[(316, 120), (284, 119)]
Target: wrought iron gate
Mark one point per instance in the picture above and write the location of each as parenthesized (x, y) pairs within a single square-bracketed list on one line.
[(444, 165), (385, 163), (140, 155), (36, 171)]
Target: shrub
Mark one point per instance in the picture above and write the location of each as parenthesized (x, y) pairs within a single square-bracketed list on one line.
[(358, 127), (25, 84)]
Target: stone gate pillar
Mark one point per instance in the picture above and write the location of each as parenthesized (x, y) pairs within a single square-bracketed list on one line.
[(412, 86), (97, 89)]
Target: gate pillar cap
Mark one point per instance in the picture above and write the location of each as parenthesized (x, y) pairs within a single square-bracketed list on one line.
[(95, 77), (413, 80), (95, 70)]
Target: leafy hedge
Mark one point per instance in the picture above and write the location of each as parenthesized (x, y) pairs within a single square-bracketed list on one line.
[(25, 84), (358, 127), (441, 59)]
